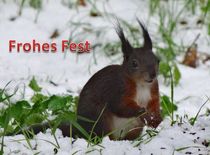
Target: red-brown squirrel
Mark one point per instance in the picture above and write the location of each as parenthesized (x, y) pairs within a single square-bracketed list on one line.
[(121, 98), (124, 92)]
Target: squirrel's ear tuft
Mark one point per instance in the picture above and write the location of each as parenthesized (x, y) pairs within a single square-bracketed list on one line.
[(147, 39), (126, 46)]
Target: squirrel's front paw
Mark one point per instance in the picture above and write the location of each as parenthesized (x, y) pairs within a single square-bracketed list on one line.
[(155, 120), (152, 120)]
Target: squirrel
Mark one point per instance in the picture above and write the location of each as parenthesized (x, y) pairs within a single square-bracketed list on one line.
[(128, 94), (121, 99)]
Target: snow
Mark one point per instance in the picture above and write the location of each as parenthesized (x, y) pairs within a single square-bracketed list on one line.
[(168, 141), (71, 72)]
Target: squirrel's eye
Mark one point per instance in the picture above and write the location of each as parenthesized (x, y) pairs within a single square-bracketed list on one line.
[(134, 64)]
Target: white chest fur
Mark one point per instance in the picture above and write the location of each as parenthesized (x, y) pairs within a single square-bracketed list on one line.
[(143, 94), (124, 125)]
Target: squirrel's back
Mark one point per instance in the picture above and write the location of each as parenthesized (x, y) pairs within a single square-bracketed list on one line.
[(102, 86)]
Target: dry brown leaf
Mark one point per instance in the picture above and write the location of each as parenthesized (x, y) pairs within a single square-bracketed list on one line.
[(190, 58), (55, 34), (81, 2)]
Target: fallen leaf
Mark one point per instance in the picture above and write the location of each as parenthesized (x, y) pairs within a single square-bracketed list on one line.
[(190, 58)]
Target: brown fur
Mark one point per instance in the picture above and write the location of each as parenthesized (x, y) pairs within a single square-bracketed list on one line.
[(118, 88)]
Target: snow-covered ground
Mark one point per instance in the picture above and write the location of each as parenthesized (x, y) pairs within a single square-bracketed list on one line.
[(71, 72), (179, 139)]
